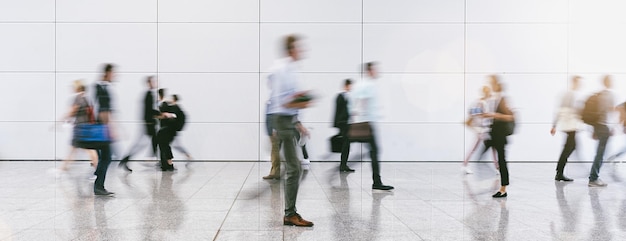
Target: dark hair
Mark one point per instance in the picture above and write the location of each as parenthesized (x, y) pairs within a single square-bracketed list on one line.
[(290, 42), (108, 68), (347, 82), (369, 66), (175, 98), (161, 92)]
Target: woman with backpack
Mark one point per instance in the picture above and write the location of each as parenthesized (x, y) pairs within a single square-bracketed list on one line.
[(503, 124)]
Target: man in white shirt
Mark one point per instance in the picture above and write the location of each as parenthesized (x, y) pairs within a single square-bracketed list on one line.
[(363, 107), (285, 102)]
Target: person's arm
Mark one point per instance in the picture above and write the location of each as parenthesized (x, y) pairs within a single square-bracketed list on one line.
[(507, 114), (71, 113), (557, 113)]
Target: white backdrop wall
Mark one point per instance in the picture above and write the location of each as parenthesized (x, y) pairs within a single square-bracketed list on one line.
[(434, 57)]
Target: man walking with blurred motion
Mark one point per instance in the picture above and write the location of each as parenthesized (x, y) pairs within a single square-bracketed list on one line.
[(149, 114), (284, 106)]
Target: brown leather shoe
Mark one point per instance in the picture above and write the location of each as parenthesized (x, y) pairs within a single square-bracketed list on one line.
[(297, 220), (271, 177)]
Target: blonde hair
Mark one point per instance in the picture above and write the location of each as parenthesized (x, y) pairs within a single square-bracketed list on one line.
[(79, 86)]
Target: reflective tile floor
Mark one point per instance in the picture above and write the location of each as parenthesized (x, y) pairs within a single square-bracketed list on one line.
[(230, 201)]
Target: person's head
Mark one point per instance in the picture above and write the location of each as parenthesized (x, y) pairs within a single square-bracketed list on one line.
[(370, 69), (161, 93), (607, 81), (79, 86), (575, 82), (347, 84), (175, 98), (486, 91), (108, 72), (292, 48), (495, 83), (150, 82)]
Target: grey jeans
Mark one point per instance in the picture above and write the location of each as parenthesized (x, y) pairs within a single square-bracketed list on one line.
[(286, 130)]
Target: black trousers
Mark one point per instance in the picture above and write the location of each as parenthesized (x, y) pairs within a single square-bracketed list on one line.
[(165, 136), (104, 156), (568, 148), (345, 148), (345, 152), (498, 141)]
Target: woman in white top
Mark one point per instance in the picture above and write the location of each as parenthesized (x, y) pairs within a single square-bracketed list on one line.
[(567, 120), (480, 125)]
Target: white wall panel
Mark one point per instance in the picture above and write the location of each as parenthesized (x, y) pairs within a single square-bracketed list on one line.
[(601, 11), (208, 11), (326, 47), (413, 11), (27, 47), (85, 47), (433, 98), (596, 48), (414, 48), (27, 97), (310, 11), (419, 142), (226, 47), (106, 11), (210, 98), (516, 48), (27, 140), (517, 11), (221, 141), (27, 11)]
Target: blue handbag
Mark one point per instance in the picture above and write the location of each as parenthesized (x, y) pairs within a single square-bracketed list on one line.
[(91, 136)]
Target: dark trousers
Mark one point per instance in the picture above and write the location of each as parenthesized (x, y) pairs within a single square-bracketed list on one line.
[(104, 156), (345, 148), (568, 148), (498, 141), (345, 152), (601, 132), (165, 137), (286, 131)]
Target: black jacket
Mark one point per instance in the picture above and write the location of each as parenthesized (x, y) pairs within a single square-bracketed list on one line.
[(341, 111), (148, 108)]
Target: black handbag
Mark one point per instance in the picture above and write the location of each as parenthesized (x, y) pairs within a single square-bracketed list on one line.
[(336, 143), (360, 132)]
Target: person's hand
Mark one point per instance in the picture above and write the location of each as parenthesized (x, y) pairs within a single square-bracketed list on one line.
[(489, 115), (552, 131)]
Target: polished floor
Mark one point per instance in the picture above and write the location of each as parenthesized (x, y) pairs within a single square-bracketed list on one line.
[(230, 201)]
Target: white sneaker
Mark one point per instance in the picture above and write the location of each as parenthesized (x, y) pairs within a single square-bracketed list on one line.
[(92, 177), (468, 170), (597, 183), (306, 164)]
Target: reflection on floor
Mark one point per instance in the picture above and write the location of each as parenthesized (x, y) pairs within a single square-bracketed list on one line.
[(230, 201)]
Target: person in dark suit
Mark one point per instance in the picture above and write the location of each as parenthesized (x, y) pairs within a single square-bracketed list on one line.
[(341, 121), (169, 126), (149, 117)]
